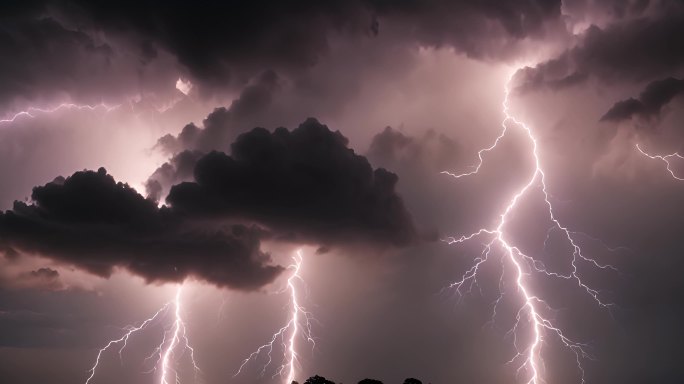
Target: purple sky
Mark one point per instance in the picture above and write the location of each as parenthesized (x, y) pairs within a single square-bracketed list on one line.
[(147, 145)]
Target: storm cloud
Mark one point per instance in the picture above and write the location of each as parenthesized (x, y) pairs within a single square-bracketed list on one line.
[(91, 221), (650, 102), (634, 49), (70, 64), (304, 183), (135, 49), (221, 127)]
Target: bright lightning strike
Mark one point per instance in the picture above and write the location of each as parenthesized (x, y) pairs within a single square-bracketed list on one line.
[(123, 340), (178, 340), (174, 343), (665, 159), (529, 356), (33, 112), (298, 326)]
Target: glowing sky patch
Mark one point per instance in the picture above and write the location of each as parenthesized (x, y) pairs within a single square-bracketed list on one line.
[(185, 86)]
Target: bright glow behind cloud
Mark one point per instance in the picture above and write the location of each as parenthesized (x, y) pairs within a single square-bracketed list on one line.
[(184, 86)]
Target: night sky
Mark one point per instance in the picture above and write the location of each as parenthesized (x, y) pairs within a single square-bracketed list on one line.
[(457, 191)]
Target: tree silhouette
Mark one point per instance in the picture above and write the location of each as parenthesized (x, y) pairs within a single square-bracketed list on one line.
[(318, 380), (411, 380), (370, 381)]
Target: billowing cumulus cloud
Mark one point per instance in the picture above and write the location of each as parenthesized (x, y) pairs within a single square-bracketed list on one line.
[(222, 126), (306, 183), (485, 29), (230, 40), (179, 168), (91, 221), (219, 129)]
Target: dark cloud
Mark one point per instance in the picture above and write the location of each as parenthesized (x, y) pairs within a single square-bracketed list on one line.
[(228, 33), (482, 29), (638, 49), (650, 102), (218, 41), (53, 63), (178, 169), (96, 224), (557, 73), (306, 183), (223, 44), (222, 126)]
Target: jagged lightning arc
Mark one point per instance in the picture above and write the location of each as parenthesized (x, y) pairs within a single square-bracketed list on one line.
[(665, 159), (174, 343), (529, 356), (298, 326), (32, 112)]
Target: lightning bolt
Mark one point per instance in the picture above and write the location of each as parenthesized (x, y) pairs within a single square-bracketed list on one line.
[(665, 159), (32, 112), (178, 340), (299, 322), (123, 340), (173, 345), (533, 308)]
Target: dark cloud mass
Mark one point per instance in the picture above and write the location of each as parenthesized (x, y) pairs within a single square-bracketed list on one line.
[(221, 127), (650, 102), (43, 278), (97, 224), (633, 49), (306, 182), (229, 35), (127, 46), (179, 168), (32, 40)]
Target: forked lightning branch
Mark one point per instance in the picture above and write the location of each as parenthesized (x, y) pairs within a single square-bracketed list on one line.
[(532, 313)]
